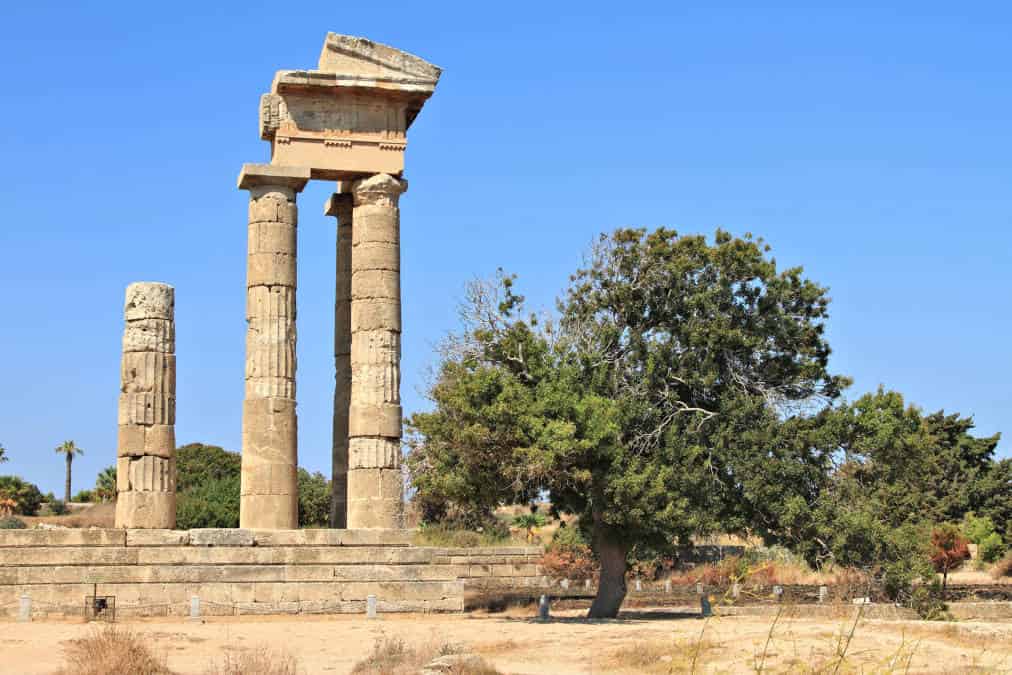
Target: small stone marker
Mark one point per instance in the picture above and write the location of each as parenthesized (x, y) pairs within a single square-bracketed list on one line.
[(735, 590), (639, 586), (194, 608), (25, 609), (704, 606), (586, 583), (823, 594), (370, 607), (667, 586), (543, 612), (699, 588), (778, 592), (565, 584)]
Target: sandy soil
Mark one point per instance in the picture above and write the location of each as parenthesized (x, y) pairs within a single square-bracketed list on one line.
[(516, 643)]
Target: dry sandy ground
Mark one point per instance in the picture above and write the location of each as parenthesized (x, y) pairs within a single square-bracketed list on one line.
[(516, 643)]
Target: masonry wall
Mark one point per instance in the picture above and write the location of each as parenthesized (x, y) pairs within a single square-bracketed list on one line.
[(156, 572)]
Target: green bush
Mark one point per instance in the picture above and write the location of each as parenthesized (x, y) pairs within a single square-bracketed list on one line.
[(12, 523), (211, 504), (57, 507), (314, 499), (927, 601), (25, 494), (200, 465), (977, 528), (84, 497), (991, 548)]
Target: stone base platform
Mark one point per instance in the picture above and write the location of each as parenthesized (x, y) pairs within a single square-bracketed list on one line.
[(232, 572)]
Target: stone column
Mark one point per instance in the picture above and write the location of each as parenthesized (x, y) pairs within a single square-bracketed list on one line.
[(269, 496), (340, 206), (374, 423), (145, 463)]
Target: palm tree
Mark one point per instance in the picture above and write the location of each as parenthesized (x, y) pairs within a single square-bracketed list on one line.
[(105, 485), (3, 454), (69, 449)]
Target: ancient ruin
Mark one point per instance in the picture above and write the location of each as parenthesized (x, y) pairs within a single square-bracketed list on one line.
[(346, 121), (145, 470)]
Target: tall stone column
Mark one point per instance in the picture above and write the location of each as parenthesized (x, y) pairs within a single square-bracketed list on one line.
[(145, 463), (374, 424), (269, 497), (340, 206)]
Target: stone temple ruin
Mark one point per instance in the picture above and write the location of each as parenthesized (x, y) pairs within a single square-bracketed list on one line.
[(346, 121)]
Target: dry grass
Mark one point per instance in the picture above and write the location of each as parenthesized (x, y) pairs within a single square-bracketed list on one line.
[(257, 661), (112, 651), (393, 656), (99, 515)]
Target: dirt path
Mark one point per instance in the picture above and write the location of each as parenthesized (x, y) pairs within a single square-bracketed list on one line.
[(518, 644)]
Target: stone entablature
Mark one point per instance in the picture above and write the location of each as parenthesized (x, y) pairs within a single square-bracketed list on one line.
[(157, 572)]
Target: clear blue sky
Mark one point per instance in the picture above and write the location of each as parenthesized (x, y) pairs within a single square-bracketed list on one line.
[(872, 145)]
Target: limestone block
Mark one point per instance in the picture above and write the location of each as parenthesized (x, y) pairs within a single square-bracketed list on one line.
[(157, 538), (265, 179), (269, 431), (280, 511), (269, 479), (376, 224), (374, 498), (264, 305), (148, 372), (157, 440), (221, 537), (155, 510), (149, 335), (147, 408), (370, 256), (270, 387), (374, 420), (266, 238), (274, 207), (146, 474), (375, 314), (271, 269), (382, 283), (377, 190), (371, 452), (149, 300), (63, 537), (376, 384)]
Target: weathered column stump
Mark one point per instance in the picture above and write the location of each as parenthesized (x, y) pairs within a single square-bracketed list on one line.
[(145, 465)]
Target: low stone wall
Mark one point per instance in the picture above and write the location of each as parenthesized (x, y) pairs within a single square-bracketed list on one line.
[(157, 572)]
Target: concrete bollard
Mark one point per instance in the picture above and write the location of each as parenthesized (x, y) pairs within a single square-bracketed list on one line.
[(370, 607), (586, 583), (735, 590), (25, 609), (699, 588), (823, 594), (704, 606), (565, 584), (639, 585), (194, 608), (543, 610), (667, 586)]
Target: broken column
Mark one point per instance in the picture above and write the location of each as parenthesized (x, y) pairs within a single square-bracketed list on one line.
[(340, 206), (374, 424), (269, 495), (145, 465)]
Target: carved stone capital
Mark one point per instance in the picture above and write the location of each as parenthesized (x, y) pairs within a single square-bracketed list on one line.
[(380, 189)]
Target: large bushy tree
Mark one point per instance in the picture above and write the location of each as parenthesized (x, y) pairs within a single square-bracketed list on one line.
[(653, 407)]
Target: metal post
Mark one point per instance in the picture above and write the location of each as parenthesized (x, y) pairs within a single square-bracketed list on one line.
[(543, 611), (25, 609), (704, 606), (370, 606)]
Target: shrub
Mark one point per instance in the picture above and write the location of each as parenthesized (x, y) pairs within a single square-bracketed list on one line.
[(447, 535), (212, 504), (258, 661), (112, 650), (85, 497), (57, 507), (568, 556), (12, 523), (991, 548), (977, 528), (1003, 568), (26, 496)]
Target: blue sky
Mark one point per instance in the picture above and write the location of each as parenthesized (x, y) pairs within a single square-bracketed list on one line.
[(871, 145)]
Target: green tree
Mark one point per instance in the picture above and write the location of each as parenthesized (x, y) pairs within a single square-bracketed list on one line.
[(198, 464), (27, 496), (212, 503), (3, 454), (105, 484), (314, 499), (68, 450), (653, 408)]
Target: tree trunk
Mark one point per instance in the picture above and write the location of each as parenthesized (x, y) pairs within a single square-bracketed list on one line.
[(612, 589), (66, 485)]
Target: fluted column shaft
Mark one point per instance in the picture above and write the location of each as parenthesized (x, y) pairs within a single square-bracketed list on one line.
[(145, 462), (374, 425), (269, 485), (340, 206)]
